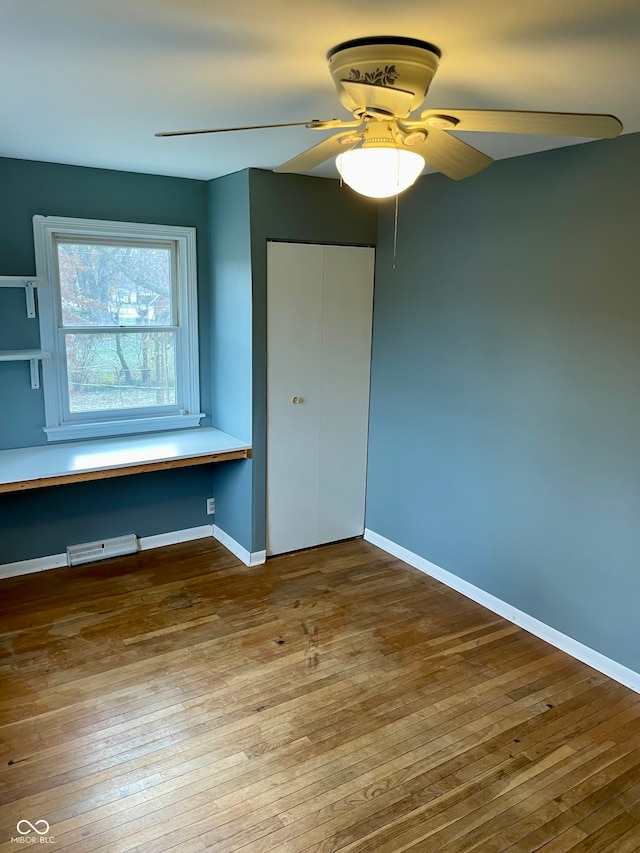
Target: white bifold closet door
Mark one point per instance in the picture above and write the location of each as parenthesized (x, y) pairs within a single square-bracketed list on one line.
[(319, 313)]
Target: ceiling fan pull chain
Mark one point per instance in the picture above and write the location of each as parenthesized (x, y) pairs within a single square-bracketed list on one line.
[(395, 234), (395, 217)]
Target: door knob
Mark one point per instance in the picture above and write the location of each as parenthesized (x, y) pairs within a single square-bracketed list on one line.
[(297, 399)]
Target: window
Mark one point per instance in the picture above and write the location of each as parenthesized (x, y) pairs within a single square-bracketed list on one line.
[(118, 313)]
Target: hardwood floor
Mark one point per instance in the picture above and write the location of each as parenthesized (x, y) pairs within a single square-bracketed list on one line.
[(332, 700)]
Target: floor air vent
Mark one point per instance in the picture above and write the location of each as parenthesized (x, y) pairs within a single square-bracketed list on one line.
[(89, 552)]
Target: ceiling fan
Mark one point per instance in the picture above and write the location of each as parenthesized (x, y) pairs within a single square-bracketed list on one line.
[(380, 152)]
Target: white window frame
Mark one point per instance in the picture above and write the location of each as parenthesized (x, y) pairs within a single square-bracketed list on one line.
[(186, 412)]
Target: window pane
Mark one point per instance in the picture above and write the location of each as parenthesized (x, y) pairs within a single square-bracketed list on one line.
[(114, 285), (120, 371)]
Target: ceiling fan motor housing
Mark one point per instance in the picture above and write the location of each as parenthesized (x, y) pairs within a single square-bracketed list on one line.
[(381, 65)]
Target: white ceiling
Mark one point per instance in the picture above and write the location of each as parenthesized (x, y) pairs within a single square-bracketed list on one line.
[(88, 82)]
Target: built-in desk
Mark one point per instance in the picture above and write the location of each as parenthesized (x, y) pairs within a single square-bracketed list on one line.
[(97, 459)]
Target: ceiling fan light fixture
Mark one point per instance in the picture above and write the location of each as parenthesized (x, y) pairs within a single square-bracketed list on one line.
[(379, 172)]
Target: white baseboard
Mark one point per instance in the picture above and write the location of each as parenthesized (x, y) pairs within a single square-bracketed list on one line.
[(55, 561), (27, 567), (561, 641), (257, 558), (174, 537)]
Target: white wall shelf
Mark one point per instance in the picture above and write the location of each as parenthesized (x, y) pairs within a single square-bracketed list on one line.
[(33, 356), (23, 354), (29, 282)]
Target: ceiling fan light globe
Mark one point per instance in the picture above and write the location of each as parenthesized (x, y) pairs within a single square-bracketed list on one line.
[(379, 172)]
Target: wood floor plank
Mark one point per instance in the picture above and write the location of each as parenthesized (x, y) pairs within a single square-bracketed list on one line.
[(610, 836), (613, 787), (330, 701), (440, 815)]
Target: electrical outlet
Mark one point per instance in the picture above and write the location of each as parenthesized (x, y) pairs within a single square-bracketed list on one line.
[(211, 506)]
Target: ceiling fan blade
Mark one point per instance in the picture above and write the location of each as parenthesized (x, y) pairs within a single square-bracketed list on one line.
[(250, 127), (450, 155), (316, 155), (396, 102), (511, 121)]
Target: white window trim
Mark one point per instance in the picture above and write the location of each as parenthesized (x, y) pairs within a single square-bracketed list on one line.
[(45, 228)]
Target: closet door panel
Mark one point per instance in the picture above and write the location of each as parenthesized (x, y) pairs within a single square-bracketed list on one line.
[(345, 371), (294, 357)]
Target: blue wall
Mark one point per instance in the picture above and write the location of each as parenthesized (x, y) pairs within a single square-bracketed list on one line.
[(505, 409), (43, 522), (231, 345)]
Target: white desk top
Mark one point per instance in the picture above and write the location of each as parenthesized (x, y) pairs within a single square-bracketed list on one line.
[(52, 464)]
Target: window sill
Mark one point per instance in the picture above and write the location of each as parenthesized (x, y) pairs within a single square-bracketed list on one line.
[(134, 426)]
